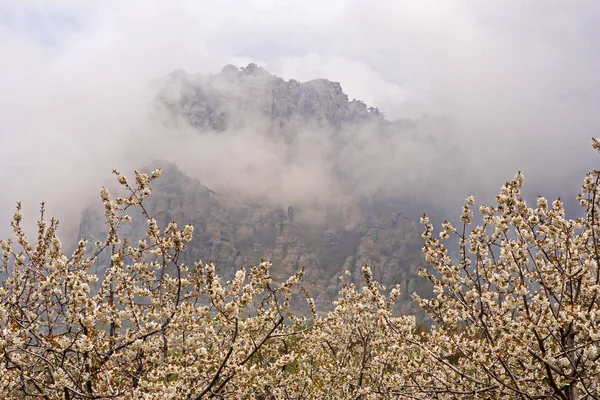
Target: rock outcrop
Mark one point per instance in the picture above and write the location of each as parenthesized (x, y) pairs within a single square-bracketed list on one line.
[(235, 97)]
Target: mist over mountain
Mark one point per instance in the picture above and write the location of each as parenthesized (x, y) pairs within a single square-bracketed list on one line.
[(315, 154), (517, 84), (304, 142)]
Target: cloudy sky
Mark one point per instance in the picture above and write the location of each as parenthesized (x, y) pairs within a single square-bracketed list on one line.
[(519, 78)]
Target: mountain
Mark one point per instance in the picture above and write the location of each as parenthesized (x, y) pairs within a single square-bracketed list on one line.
[(368, 220), (236, 98)]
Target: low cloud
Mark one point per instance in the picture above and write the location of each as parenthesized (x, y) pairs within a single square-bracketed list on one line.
[(518, 81)]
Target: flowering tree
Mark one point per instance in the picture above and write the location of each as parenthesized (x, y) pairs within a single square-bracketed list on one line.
[(519, 309), (154, 328), (359, 350)]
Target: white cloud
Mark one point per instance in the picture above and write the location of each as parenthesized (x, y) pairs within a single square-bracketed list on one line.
[(520, 78)]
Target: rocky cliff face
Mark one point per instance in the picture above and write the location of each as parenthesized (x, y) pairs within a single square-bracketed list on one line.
[(234, 234), (233, 231), (236, 98)]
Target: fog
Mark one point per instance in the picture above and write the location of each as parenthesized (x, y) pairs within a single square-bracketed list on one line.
[(518, 80)]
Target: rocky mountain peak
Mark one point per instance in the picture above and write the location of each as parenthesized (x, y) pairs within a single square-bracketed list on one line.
[(215, 101)]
